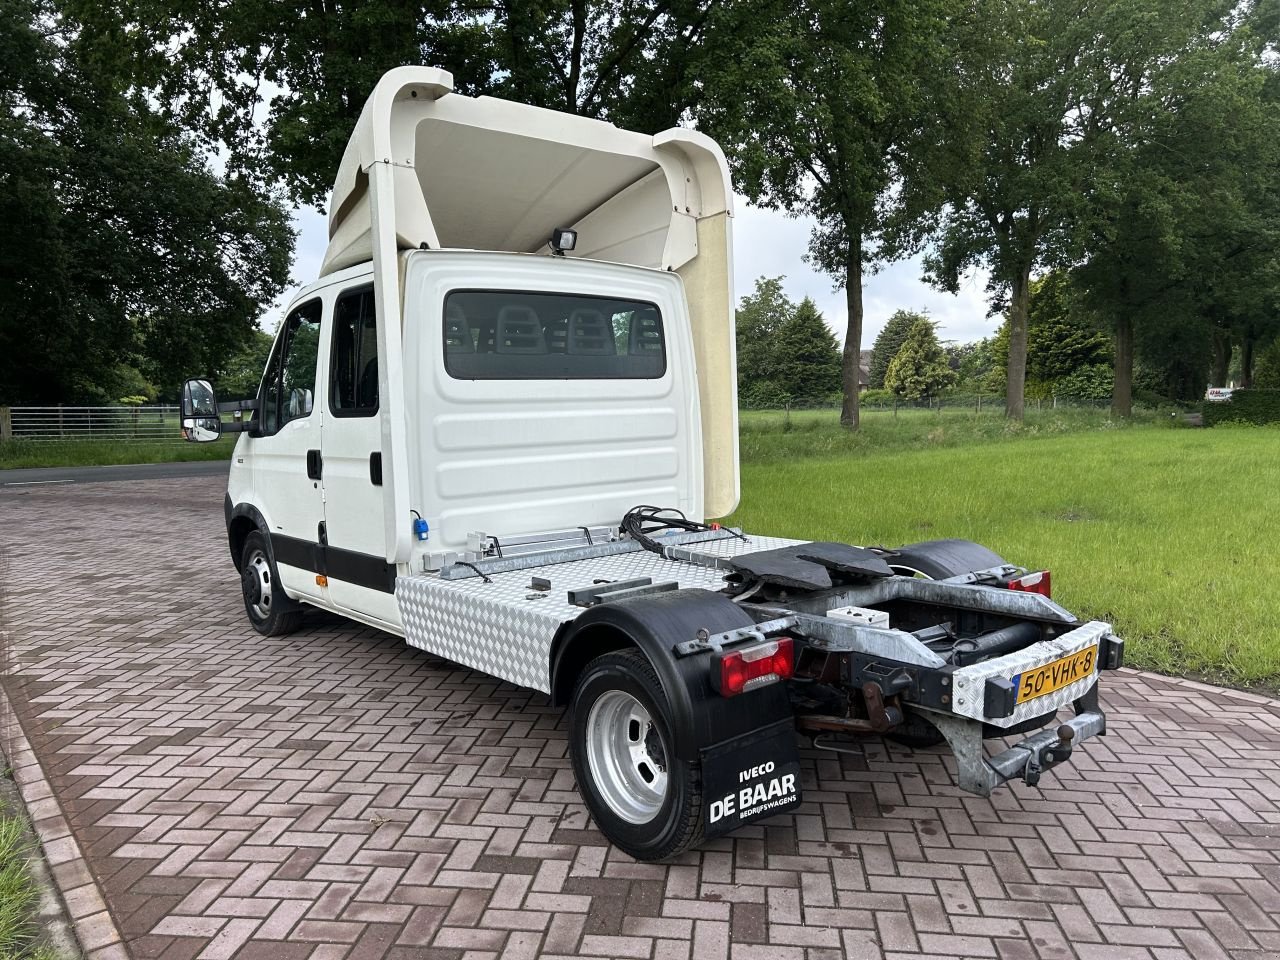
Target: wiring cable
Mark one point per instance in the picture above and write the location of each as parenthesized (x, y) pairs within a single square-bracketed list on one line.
[(644, 521)]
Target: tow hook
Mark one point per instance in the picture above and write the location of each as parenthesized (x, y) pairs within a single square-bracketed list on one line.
[(1050, 755), (880, 716)]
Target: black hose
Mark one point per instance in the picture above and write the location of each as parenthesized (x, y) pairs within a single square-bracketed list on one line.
[(994, 644)]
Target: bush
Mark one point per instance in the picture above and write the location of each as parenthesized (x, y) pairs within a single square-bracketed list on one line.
[(1245, 406), (1091, 383), (1266, 371), (876, 398)]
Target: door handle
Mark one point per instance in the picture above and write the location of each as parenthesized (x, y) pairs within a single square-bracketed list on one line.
[(314, 465), (375, 468)]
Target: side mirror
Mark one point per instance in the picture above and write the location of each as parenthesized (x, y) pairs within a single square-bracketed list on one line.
[(200, 423)]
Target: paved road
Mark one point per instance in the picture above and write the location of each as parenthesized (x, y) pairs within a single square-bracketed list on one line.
[(39, 476), (334, 794)]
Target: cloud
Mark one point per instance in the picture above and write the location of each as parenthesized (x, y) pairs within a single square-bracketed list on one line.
[(770, 244), (765, 243)]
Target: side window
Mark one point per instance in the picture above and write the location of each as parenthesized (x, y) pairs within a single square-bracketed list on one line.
[(288, 389), (353, 381), (269, 413)]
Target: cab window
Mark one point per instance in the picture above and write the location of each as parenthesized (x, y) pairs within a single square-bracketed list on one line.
[(353, 377), (288, 388)]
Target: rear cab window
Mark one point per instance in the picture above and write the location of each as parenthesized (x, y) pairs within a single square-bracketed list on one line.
[(522, 335)]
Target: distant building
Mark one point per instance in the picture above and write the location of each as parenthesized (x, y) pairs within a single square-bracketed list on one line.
[(864, 370)]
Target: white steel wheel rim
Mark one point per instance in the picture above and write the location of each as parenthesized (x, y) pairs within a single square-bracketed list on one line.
[(626, 756), (257, 576), (911, 572)]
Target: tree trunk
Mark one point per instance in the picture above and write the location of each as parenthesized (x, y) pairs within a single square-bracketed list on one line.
[(1122, 383), (1246, 362), (1019, 307), (1221, 368), (849, 414)]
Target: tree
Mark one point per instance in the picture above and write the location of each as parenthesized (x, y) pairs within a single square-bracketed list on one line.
[(813, 101), (761, 315), (888, 342), (1268, 372), (1183, 263), (1063, 338), (920, 370), (1033, 90), (806, 356), (126, 260), (288, 88), (241, 375)]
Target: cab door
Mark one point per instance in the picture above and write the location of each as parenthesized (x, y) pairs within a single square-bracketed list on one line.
[(285, 450), (360, 580)]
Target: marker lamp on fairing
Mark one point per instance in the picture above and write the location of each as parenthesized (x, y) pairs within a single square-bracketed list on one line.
[(1039, 582), (737, 671)]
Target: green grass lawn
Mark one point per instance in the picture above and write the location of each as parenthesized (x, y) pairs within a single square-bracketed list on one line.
[(1169, 534), (90, 453), (19, 933)]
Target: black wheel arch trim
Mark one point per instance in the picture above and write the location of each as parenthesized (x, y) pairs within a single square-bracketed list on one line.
[(654, 625), (239, 511)]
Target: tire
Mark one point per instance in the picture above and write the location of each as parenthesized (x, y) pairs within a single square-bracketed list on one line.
[(647, 802), (940, 559), (270, 611), (935, 560)]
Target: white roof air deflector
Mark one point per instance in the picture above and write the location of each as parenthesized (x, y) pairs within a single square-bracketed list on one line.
[(486, 174)]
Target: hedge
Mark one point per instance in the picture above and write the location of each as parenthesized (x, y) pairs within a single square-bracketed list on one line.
[(1245, 406)]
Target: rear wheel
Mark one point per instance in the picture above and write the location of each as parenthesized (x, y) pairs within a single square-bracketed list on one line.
[(940, 559), (644, 799), (270, 611)]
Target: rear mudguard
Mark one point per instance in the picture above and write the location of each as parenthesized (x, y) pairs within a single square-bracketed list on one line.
[(745, 745)]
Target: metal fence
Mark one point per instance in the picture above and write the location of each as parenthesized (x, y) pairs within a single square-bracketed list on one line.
[(146, 424)]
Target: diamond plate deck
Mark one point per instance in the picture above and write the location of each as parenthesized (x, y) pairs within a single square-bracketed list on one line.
[(505, 629)]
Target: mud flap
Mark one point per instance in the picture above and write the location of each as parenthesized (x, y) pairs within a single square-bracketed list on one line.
[(750, 777)]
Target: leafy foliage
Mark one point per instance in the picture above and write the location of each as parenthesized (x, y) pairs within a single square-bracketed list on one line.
[(239, 377), (127, 262), (920, 369), (807, 356), (786, 352), (288, 88), (1245, 406), (1268, 372), (1181, 262), (888, 342), (812, 100)]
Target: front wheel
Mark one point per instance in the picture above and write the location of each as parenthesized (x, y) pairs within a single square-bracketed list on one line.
[(644, 799), (270, 611)]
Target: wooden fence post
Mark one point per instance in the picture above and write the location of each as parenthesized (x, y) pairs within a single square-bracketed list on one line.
[(6, 423)]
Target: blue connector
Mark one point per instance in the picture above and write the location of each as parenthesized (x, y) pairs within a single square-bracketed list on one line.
[(420, 529)]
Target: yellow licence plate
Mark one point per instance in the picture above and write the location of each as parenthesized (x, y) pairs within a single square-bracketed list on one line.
[(1054, 676)]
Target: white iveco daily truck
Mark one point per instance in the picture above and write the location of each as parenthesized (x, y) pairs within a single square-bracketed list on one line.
[(497, 424)]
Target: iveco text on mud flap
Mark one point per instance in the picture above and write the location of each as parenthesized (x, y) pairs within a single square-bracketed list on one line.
[(497, 425)]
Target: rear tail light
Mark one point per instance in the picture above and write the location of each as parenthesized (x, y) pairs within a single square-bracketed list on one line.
[(736, 671), (1039, 582)]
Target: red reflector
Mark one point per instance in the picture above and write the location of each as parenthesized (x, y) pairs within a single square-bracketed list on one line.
[(754, 666), (1039, 582)]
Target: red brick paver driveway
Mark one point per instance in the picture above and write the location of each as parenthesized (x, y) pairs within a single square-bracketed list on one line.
[(334, 794)]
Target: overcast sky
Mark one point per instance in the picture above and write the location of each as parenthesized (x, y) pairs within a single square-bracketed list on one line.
[(766, 243)]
